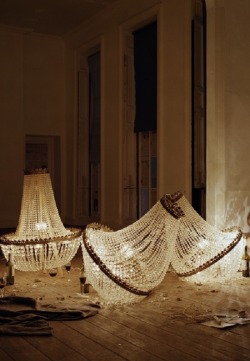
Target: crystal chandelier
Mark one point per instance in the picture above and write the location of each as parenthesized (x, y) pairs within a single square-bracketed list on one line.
[(41, 241), (202, 253), (126, 265)]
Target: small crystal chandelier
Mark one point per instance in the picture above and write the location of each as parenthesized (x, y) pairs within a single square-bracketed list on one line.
[(41, 241)]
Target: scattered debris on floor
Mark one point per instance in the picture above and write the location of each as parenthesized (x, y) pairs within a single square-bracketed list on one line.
[(227, 319)]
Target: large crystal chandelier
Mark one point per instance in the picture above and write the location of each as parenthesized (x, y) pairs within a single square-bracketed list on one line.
[(40, 241), (126, 265), (202, 253)]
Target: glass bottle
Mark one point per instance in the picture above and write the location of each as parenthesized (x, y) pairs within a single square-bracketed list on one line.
[(83, 279), (245, 263), (10, 271)]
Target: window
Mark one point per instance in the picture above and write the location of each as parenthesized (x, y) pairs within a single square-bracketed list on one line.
[(145, 68), (88, 186), (140, 122)]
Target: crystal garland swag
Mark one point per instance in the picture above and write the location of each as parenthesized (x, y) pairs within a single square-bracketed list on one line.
[(124, 266), (202, 253), (41, 241)]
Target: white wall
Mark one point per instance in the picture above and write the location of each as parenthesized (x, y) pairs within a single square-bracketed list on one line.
[(44, 85), (12, 125), (228, 193), (32, 96)]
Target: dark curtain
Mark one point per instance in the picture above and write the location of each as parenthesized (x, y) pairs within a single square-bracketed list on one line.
[(94, 106), (145, 65)]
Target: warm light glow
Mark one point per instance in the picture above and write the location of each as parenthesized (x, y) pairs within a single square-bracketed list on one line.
[(127, 251), (41, 226), (226, 269), (203, 253)]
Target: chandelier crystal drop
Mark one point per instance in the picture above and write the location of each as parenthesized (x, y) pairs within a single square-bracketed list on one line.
[(202, 253), (40, 241), (126, 265)]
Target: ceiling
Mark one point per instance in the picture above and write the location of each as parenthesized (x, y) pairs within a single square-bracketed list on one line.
[(55, 17)]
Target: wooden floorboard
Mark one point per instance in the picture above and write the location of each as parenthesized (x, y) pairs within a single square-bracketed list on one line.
[(172, 338), (113, 342), (4, 356), (72, 333), (233, 345), (18, 349), (194, 333), (154, 341), (163, 326), (55, 349)]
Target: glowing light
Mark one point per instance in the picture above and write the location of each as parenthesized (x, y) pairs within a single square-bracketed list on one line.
[(41, 226), (127, 251), (202, 253)]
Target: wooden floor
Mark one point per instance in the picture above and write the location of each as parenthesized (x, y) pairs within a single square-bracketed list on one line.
[(161, 327)]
